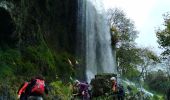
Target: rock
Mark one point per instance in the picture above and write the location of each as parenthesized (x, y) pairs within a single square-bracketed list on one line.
[(101, 84)]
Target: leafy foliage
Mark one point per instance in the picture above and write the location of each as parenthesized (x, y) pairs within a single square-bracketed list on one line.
[(158, 81), (121, 27), (128, 58), (128, 55), (149, 61), (64, 66), (123, 35), (163, 36), (64, 92), (8, 62)]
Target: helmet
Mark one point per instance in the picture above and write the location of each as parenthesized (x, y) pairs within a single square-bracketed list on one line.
[(112, 78)]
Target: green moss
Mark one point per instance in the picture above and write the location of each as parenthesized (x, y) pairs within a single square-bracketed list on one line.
[(60, 90), (157, 97), (8, 60), (64, 69)]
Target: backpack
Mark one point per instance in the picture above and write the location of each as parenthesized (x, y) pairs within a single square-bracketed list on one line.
[(38, 88)]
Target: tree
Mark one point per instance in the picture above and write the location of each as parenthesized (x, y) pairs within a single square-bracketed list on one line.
[(163, 36), (158, 81), (122, 28), (149, 59), (123, 35), (129, 57)]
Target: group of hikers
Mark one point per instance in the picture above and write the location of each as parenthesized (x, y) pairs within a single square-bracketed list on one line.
[(84, 91), (36, 88)]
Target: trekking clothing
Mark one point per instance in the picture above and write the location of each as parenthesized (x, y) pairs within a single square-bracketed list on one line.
[(36, 88), (82, 91), (115, 90), (21, 91), (121, 92), (114, 86)]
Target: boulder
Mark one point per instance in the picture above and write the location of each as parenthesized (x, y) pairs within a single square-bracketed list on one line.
[(101, 84)]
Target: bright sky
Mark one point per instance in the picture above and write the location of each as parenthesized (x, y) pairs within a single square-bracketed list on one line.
[(147, 15)]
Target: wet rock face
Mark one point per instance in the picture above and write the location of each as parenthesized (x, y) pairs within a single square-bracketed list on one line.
[(7, 27), (101, 84)]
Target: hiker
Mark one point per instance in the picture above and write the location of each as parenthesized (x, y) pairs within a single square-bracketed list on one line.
[(75, 89), (21, 91), (121, 92), (114, 88), (82, 90), (35, 89)]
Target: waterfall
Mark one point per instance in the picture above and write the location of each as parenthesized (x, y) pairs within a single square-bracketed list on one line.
[(95, 38)]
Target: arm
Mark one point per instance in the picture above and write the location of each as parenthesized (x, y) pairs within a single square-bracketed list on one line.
[(22, 89), (19, 90)]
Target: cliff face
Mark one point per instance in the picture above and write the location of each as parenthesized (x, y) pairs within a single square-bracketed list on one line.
[(36, 37), (55, 20), (7, 28)]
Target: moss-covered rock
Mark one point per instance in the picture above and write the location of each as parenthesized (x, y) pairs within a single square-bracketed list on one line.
[(101, 84)]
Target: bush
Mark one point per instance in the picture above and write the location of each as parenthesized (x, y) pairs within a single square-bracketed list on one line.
[(158, 82), (60, 90)]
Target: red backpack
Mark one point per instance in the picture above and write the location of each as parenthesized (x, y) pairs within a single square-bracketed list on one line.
[(38, 87)]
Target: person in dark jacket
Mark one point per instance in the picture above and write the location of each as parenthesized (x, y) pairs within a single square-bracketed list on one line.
[(121, 92)]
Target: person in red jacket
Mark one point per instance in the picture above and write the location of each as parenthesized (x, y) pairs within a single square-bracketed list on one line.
[(33, 90), (114, 84), (37, 88), (114, 87)]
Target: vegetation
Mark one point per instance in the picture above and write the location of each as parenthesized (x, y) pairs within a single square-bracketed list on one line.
[(37, 37), (34, 40), (133, 62), (61, 91), (129, 57), (163, 36), (160, 80)]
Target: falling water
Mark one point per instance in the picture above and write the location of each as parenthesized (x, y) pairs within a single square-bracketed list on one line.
[(97, 47)]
